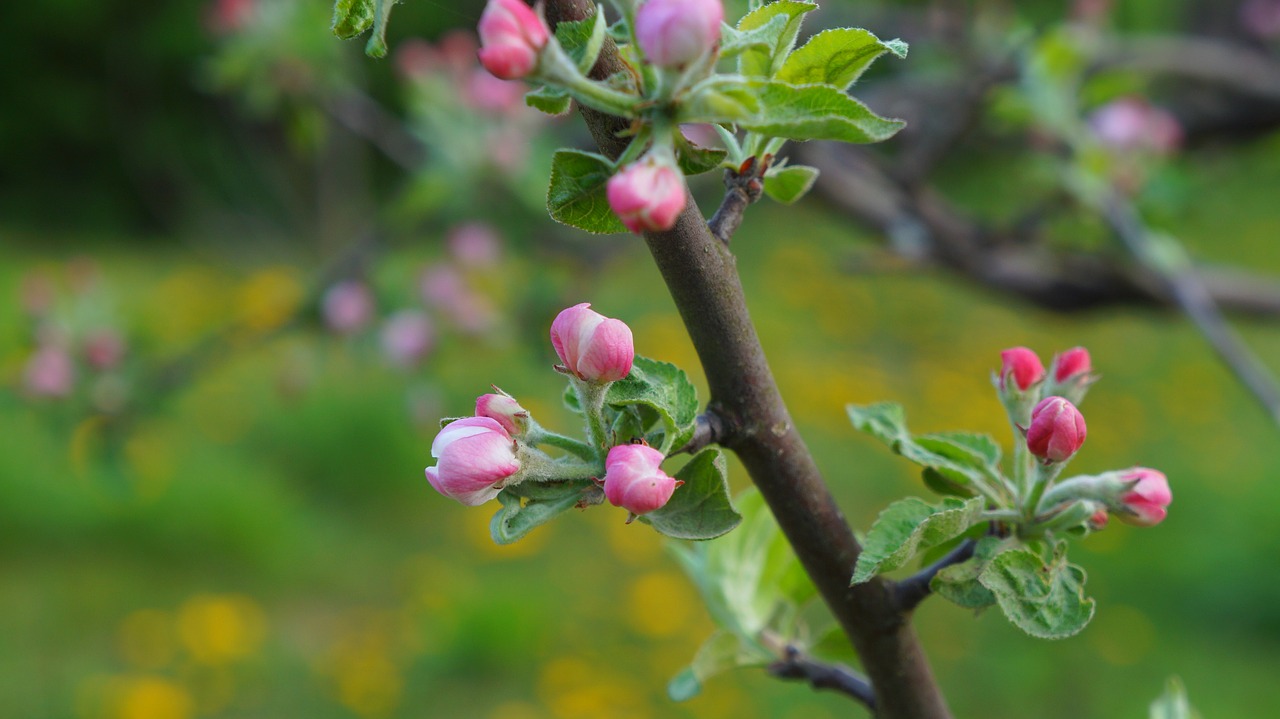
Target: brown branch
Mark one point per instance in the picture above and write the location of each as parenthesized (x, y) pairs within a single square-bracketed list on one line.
[(913, 590), (701, 275), (742, 188), (1220, 63), (821, 675)]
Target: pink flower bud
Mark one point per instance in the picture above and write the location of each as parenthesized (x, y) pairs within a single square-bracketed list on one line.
[(475, 457), (348, 307), (647, 195), (1098, 520), (511, 38), (1057, 430), (103, 349), (504, 410), (1024, 366), (673, 33), (634, 479), (50, 373), (1147, 500), (593, 347), (407, 337), (1070, 364)]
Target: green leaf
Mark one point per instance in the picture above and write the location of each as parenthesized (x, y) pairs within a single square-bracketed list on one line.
[(790, 183), (816, 112), (582, 39), (886, 421), (576, 196), (749, 578), (763, 62), (377, 45), (1043, 600), (721, 652), (953, 461), (700, 508), (663, 388), (959, 582), (836, 57), (719, 100), (351, 18), (908, 526), (1173, 704), (694, 159), (551, 100), (519, 516), (765, 37)]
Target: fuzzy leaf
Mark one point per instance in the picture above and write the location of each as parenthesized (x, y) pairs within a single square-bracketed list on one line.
[(576, 196), (520, 516), (836, 57), (377, 45), (721, 652), (952, 461), (959, 582), (694, 159), (700, 508), (765, 37), (1043, 600), (582, 39), (351, 18), (551, 100), (663, 388), (908, 526), (790, 183), (816, 112), (764, 61)]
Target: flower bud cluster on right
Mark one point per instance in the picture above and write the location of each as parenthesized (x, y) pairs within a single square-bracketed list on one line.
[(673, 51), (1017, 522)]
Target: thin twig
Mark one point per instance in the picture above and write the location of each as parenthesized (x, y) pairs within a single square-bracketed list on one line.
[(821, 675), (1194, 299), (742, 188), (912, 590), (708, 429)]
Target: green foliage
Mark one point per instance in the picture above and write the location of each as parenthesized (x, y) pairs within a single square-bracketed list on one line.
[(520, 515), (551, 100), (1173, 704), (576, 195), (751, 582), (352, 18), (763, 61), (664, 392), (762, 38), (837, 57), (1043, 599), (959, 583), (953, 461), (790, 183), (778, 109), (582, 39), (909, 526), (700, 508), (695, 160)]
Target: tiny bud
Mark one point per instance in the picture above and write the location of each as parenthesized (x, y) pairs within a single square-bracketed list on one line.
[(634, 479), (1146, 501), (647, 195), (347, 307), (504, 410), (1098, 520), (593, 347), (1071, 364), (511, 38), (674, 33), (1057, 430), (1022, 365), (475, 457)]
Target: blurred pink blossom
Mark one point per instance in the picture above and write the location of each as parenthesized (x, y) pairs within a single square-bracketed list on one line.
[(348, 307), (415, 58), (224, 17), (1261, 18), (104, 348), (701, 134), (475, 244), (490, 94), (49, 373), (441, 286), (407, 337), (1130, 124)]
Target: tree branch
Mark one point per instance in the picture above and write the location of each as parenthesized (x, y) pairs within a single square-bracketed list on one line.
[(701, 275), (911, 591), (821, 675), (708, 429), (742, 188)]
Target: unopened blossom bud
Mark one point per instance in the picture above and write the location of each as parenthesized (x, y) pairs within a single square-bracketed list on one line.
[(1070, 374), (1098, 520), (1022, 366), (348, 307), (49, 373), (1057, 430), (673, 33), (511, 38), (634, 479), (407, 337), (592, 347), (475, 457), (504, 410), (103, 349), (1146, 501), (647, 195)]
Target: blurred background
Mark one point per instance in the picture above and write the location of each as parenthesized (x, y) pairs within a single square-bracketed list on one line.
[(245, 269)]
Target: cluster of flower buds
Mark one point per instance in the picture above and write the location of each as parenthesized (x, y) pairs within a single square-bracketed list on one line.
[(1053, 430), (480, 456)]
